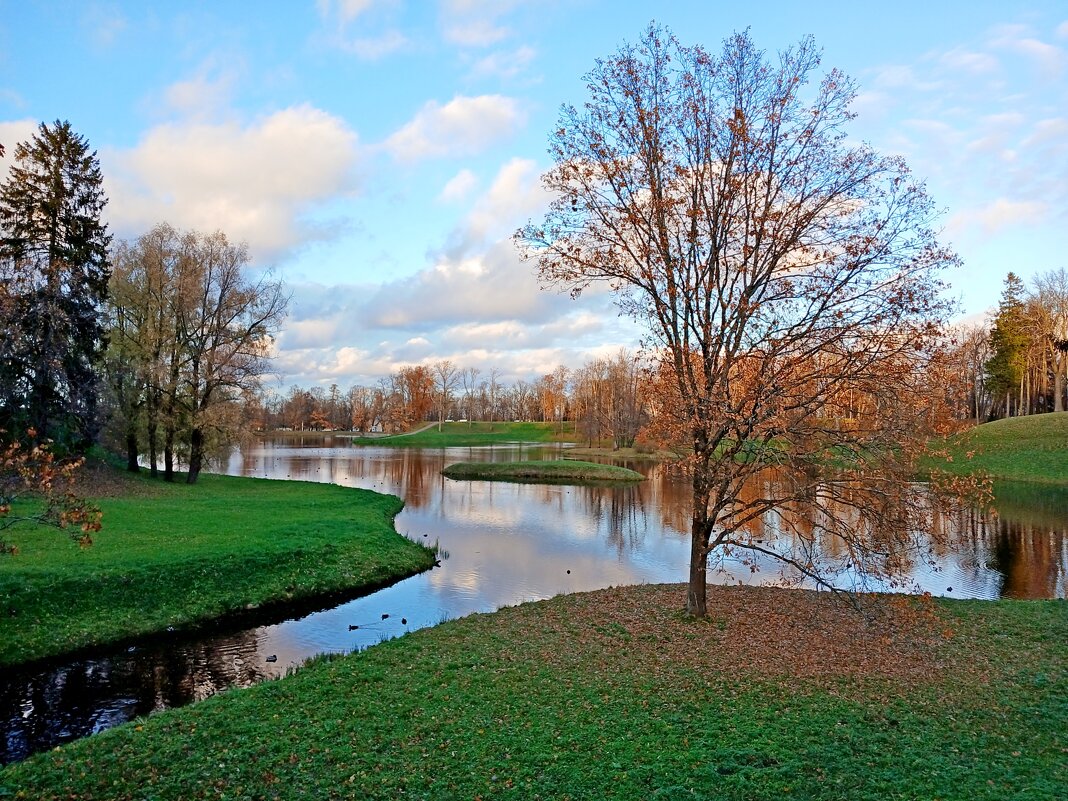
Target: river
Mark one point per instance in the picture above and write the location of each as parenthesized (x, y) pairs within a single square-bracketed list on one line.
[(501, 544)]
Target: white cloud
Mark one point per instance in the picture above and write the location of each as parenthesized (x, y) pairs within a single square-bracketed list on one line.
[(375, 37), (203, 95), (11, 133), (998, 215), (515, 195), (1050, 59), (458, 187), (371, 48), (475, 23), (254, 182), (475, 33), (493, 286), (504, 64), (463, 126), (344, 11), (969, 61), (104, 24)]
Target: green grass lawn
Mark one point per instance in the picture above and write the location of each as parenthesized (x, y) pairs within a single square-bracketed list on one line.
[(172, 554), (468, 434), (1033, 448), (560, 470), (615, 695)]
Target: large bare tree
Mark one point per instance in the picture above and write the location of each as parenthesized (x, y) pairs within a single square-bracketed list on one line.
[(788, 278), (193, 331)]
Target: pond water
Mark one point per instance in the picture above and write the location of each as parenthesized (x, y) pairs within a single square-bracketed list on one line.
[(505, 544)]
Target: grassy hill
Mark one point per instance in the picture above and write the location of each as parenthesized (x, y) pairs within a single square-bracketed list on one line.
[(468, 434), (1033, 448)]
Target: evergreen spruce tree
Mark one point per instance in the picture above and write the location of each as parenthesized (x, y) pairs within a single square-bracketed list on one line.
[(53, 282), (1008, 341)]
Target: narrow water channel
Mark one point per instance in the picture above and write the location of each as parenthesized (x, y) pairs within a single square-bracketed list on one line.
[(505, 544)]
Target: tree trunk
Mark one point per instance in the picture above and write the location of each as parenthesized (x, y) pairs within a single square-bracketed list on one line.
[(168, 453), (131, 450), (700, 531), (696, 592), (196, 454), (153, 431), (1058, 383)]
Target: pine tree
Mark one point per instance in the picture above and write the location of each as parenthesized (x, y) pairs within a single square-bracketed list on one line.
[(1008, 341), (53, 281)]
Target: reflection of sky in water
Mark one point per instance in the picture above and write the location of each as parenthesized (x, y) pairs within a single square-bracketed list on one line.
[(506, 543), (510, 543)]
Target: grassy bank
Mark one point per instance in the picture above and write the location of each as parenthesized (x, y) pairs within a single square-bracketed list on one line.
[(614, 695), (472, 434), (560, 470), (622, 453), (172, 555), (1033, 448)]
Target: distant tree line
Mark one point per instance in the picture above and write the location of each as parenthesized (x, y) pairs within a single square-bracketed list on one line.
[(604, 399)]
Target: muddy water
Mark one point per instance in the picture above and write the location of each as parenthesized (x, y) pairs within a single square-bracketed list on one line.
[(505, 544)]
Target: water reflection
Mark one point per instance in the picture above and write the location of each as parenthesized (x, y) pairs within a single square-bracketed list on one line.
[(507, 543)]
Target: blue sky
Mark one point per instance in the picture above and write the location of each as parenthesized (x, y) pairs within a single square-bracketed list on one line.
[(377, 154)]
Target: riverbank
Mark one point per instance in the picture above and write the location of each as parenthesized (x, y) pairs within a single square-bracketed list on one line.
[(1032, 448), (615, 694), (174, 555), (559, 470), (474, 434)]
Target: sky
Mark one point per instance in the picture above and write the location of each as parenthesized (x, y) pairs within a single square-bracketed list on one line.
[(377, 155)]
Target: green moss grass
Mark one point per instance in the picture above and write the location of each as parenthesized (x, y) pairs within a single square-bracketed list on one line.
[(473, 434), (615, 695), (174, 555), (560, 470), (1033, 448)]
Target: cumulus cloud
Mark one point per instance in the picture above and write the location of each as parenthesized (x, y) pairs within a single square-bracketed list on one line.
[(458, 187), (202, 95), (463, 126), (493, 286), (515, 195), (252, 181)]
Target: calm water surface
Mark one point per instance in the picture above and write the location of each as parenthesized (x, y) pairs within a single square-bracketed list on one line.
[(506, 543)]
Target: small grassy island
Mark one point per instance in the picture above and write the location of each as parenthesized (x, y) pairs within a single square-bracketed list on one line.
[(1032, 448), (616, 695), (176, 555), (547, 471)]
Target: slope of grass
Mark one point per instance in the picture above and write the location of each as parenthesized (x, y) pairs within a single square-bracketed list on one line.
[(172, 555), (471, 434), (561, 470), (615, 695), (1033, 448)]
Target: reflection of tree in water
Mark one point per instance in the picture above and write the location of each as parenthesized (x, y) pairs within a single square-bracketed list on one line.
[(1033, 560), (620, 513), (44, 708)]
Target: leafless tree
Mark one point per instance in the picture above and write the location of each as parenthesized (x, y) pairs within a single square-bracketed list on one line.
[(781, 270)]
